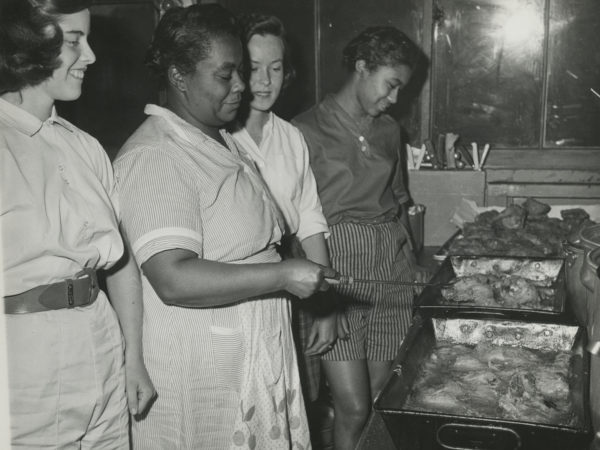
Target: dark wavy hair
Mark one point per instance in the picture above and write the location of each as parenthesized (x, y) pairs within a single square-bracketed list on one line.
[(263, 25), (381, 46), (184, 37), (31, 40)]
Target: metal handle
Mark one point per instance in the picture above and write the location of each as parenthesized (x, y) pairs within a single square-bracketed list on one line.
[(493, 430), (486, 312)]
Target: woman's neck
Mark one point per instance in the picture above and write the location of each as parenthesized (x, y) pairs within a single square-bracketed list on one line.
[(347, 98), (255, 124), (31, 101), (183, 112)]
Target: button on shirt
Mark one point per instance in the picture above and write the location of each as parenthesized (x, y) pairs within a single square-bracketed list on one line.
[(282, 160), (59, 204), (358, 171)]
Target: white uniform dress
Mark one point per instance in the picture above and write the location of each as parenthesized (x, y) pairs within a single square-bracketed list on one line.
[(226, 377)]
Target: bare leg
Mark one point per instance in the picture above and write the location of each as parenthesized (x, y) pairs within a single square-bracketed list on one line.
[(349, 384), (378, 374)]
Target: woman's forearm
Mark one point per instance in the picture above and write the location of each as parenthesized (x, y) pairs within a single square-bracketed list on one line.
[(180, 278), (125, 293), (316, 249)]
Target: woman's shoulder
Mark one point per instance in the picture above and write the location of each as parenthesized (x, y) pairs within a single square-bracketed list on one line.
[(386, 125), (306, 118), (387, 121), (78, 132), (286, 126), (150, 145), (151, 136), (89, 146)]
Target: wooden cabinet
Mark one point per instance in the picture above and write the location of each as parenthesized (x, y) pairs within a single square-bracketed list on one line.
[(555, 187)]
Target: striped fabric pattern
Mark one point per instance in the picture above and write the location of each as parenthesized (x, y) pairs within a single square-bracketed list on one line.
[(213, 368), (378, 314)]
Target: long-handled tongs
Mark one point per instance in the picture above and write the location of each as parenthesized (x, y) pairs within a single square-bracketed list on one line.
[(346, 280)]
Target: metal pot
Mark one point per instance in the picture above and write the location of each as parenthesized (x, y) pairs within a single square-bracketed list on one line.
[(576, 291), (590, 278), (576, 249)]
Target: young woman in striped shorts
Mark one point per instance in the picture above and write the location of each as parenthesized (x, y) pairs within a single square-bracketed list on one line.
[(354, 151)]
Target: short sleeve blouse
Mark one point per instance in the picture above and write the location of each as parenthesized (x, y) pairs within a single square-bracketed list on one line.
[(358, 172), (59, 205), (282, 160)]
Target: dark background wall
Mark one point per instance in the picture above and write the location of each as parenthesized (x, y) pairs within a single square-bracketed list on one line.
[(118, 85)]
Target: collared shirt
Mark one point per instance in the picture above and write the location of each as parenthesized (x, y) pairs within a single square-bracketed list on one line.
[(182, 189), (59, 204), (282, 160), (358, 172)]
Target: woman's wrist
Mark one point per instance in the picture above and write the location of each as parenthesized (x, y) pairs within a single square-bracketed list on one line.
[(134, 356)]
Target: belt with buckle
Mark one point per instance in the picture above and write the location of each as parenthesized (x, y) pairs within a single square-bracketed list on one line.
[(80, 290)]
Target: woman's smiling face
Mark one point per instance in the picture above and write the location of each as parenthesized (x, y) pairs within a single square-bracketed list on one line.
[(66, 81), (213, 92)]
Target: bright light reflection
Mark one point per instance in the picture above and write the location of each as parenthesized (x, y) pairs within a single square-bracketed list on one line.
[(519, 24)]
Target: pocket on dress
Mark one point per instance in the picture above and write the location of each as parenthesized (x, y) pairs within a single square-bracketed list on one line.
[(229, 351), (271, 356)]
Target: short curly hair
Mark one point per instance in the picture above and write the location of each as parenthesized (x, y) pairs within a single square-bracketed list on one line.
[(264, 25), (31, 40), (380, 46), (184, 37)]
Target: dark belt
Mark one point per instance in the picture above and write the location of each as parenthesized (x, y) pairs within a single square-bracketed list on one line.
[(78, 291)]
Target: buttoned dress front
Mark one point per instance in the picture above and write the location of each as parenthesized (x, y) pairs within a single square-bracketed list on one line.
[(226, 377), (283, 161)]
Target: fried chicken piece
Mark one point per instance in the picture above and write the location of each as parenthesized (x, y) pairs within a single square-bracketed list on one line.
[(486, 218), (574, 214), (535, 207), (471, 289), (513, 291), (511, 218)]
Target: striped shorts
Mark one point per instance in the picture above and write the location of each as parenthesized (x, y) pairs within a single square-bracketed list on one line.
[(378, 314)]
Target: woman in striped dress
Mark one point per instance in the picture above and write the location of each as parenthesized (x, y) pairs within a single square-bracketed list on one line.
[(216, 323), (354, 151)]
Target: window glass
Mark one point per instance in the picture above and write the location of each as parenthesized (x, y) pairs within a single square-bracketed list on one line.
[(487, 78), (573, 108)]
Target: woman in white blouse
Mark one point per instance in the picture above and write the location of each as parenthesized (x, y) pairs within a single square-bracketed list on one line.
[(280, 153)]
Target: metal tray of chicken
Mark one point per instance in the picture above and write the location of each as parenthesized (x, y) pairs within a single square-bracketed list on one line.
[(515, 288), (488, 384)]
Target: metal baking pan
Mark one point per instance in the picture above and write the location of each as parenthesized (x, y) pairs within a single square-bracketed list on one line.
[(442, 253), (546, 274), (418, 429)]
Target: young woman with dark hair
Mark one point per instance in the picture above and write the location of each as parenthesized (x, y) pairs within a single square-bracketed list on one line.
[(354, 152), (59, 215)]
